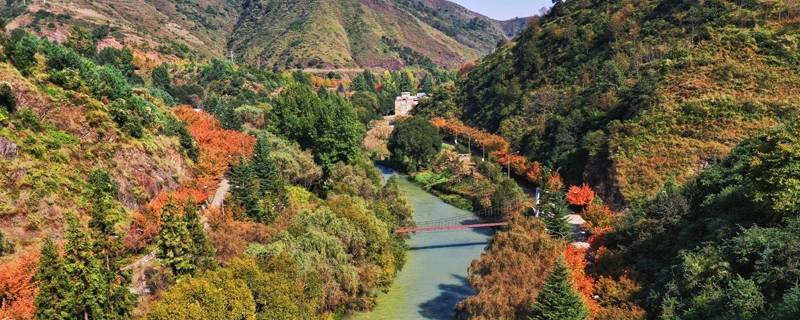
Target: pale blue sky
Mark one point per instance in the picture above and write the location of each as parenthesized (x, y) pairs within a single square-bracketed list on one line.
[(505, 9)]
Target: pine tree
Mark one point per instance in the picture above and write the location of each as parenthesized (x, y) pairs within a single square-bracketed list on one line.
[(108, 248), (203, 248), (558, 299), (243, 189), (264, 168), (89, 291), (554, 214), (53, 284), (174, 242)]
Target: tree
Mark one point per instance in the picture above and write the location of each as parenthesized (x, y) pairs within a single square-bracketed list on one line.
[(554, 213), (53, 283), (414, 143), (244, 187), (558, 299), (82, 41), (203, 249), (88, 296), (580, 196), (337, 133), (161, 77), (265, 170), (107, 247), (508, 197), (175, 246)]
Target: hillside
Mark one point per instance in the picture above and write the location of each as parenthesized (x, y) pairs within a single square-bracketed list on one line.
[(280, 33), (626, 94)]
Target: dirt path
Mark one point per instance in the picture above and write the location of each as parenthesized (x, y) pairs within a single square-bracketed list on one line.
[(140, 267)]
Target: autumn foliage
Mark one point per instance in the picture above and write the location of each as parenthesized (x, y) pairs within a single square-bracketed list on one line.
[(17, 290), (219, 149), (482, 139), (580, 196), (508, 275), (584, 284)]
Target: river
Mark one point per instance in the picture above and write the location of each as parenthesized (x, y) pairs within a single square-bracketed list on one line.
[(434, 278)]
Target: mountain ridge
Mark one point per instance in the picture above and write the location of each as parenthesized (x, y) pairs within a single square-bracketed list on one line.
[(282, 34)]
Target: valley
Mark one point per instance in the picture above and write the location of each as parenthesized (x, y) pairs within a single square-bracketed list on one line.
[(399, 159)]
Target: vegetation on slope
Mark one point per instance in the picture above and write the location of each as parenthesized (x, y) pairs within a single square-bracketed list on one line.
[(626, 94), (278, 33), (321, 220)]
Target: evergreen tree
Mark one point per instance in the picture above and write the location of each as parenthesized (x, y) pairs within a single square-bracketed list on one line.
[(203, 248), (554, 213), (264, 168), (558, 299), (427, 84), (107, 246), (88, 295), (53, 284), (244, 187), (174, 242), (161, 77)]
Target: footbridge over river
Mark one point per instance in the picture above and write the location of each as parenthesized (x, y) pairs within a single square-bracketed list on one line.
[(486, 219)]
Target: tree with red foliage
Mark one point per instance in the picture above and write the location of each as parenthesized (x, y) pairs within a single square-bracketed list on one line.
[(580, 196), (17, 289)]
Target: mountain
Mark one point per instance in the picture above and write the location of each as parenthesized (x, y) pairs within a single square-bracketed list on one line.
[(282, 33), (627, 95)]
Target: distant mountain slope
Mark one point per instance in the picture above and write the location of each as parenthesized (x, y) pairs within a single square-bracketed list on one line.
[(283, 33)]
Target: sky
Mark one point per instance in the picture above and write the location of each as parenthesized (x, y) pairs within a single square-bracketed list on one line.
[(505, 9)]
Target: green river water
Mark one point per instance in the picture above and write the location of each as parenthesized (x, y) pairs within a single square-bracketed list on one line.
[(434, 278)]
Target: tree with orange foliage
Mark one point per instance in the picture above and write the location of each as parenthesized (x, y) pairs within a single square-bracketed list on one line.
[(599, 217), (219, 149), (508, 276), (554, 182), (534, 173), (580, 196), (17, 289)]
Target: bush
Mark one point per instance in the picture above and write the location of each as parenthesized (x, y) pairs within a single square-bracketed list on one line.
[(6, 246), (7, 98), (23, 52)]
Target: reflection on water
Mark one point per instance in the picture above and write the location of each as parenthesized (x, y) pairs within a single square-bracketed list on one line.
[(434, 278)]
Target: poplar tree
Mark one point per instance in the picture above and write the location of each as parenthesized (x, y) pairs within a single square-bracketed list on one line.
[(174, 242), (558, 299), (53, 284)]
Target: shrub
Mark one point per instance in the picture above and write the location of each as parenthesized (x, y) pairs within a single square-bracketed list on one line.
[(6, 246), (7, 98)]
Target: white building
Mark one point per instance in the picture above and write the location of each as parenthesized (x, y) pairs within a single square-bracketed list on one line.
[(406, 102)]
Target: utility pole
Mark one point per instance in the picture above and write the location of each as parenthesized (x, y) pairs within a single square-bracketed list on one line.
[(508, 159)]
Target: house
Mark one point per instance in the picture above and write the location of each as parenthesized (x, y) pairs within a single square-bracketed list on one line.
[(406, 102)]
